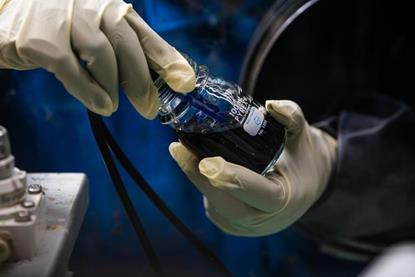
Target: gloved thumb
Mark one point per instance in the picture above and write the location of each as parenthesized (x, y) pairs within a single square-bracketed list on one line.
[(186, 160), (244, 184), (288, 113)]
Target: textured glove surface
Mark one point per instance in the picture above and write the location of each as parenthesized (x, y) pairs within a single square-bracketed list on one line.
[(244, 203)]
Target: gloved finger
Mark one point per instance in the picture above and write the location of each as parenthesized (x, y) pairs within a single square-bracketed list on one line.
[(219, 221), (132, 66), (252, 228), (77, 81), (94, 48), (246, 185), (67, 69), (260, 226), (162, 57), (288, 113), (226, 204)]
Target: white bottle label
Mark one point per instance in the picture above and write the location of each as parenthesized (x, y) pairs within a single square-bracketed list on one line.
[(254, 121)]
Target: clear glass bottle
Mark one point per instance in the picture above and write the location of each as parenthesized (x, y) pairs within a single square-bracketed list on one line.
[(217, 119)]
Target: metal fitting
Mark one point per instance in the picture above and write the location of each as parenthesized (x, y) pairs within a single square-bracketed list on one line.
[(28, 204), (4, 143), (6, 157), (22, 216), (34, 189), (5, 247)]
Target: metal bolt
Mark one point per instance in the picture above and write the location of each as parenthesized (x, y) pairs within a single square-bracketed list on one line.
[(28, 204), (34, 189), (22, 216)]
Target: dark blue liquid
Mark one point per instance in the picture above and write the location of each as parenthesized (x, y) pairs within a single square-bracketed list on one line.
[(237, 146)]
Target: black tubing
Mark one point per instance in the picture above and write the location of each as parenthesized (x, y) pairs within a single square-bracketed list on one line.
[(152, 195), (96, 126)]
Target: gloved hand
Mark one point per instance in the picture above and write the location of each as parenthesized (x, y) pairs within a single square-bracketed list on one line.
[(244, 203), (116, 45)]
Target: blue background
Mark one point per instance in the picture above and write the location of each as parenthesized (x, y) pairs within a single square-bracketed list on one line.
[(50, 133)]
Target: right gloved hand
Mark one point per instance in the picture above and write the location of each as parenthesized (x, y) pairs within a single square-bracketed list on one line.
[(244, 203), (115, 43)]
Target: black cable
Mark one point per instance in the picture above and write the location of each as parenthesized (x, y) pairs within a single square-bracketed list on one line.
[(96, 126), (158, 202)]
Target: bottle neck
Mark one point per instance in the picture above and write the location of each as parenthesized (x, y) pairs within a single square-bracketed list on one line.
[(169, 101), (172, 104), (166, 94)]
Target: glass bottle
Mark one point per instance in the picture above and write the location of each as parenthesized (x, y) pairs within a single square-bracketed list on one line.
[(218, 119)]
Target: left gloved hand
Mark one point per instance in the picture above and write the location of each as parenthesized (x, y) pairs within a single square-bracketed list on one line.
[(244, 203), (92, 47)]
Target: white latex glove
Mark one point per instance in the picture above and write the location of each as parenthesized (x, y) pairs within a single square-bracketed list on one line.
[(244, 203), (116, 45)]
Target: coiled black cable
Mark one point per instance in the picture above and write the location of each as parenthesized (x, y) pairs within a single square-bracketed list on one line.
[(103, 136)]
